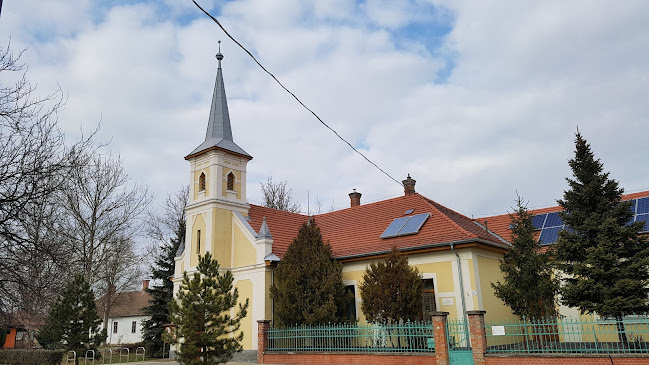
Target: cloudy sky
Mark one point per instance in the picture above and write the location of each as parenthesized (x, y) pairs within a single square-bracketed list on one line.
[(476, 100)]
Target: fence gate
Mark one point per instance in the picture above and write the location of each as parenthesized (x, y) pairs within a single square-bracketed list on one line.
[(459, 343)]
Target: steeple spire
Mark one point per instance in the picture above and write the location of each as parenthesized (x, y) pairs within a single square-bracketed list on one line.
[(219, 130)]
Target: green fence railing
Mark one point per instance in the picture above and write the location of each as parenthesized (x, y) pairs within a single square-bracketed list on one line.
[(457, 331), (398, 337), (586, 334)]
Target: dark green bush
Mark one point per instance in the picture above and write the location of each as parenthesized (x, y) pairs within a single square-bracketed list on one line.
[(31, 357)]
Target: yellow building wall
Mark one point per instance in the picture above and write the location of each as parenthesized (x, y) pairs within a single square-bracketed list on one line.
[(356, 275), (222, 236), (245, 292), (474, 288), (237, 182), (197, 174), (490, 273), (245, 253), (445, 283), (199, 225), (268, 310), (442, 270)]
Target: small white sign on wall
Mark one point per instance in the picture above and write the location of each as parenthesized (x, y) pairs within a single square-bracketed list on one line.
[(447, 301), (498, 330)]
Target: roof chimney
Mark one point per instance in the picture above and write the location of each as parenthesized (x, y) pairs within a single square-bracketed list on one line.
[(145, 285), (409, 185), (355, 198)]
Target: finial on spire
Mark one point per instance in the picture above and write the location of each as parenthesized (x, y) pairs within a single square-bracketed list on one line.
[(219, 56)]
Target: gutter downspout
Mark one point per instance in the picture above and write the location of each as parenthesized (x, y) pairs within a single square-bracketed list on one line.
[(459, 270)]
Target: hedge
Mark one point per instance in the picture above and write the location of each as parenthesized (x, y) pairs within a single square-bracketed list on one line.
[(31, 357)]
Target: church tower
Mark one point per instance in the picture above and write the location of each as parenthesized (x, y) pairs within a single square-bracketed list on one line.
[(217, 184)]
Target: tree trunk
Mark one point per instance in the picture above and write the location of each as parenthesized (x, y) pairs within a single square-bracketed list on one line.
[(621, 331)]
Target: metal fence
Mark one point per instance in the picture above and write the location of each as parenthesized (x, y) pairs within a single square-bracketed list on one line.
[(586, 334), (398, 337), (458, 335)]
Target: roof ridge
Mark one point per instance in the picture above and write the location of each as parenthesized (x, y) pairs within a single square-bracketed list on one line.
[(363, 205), (457, 226), (279, 210)]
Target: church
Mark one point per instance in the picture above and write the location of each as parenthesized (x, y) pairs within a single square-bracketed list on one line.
[(458, 257)]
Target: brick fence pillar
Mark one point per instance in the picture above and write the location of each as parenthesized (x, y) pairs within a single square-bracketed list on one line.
[(262, 339), (441, 339), (478, 336)]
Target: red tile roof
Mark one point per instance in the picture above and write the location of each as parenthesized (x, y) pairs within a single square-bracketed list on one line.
[(499, 224), (356, 231), (127, 304)]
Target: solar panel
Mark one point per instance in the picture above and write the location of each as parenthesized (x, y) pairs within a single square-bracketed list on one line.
[(408, 211), (414, 224), (394, 227), (645, 218), (537, 221), (553, 220), (549, 235), (643, 206)]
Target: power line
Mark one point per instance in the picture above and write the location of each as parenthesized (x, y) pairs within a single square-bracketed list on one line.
[(293, 95)]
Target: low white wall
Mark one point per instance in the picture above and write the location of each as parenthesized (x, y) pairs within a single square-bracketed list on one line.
[(124, 334)]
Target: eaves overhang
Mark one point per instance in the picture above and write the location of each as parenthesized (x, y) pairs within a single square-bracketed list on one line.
[(426, 248)]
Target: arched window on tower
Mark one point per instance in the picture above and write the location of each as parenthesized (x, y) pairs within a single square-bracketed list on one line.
[(201, 182), (230, 181)]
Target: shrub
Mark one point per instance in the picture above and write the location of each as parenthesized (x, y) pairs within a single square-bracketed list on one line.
[(31, 357)]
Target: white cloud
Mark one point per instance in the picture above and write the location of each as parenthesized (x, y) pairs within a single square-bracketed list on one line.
[(525, 76)]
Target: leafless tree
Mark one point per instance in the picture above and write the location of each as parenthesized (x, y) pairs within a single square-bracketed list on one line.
[(121, 271), (104, 213), (278, 196), (34, 162), (319, 206), (169, 221), (102, 207)]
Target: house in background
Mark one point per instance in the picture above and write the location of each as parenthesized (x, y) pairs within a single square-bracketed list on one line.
[(457, 256), (126, 316)]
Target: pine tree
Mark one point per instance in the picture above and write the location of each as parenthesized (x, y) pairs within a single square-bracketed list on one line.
[(169, 230), (202, 315), (529, 286), (71, 320), (161, 296), (391, 290), (308, 287), (605, 261)]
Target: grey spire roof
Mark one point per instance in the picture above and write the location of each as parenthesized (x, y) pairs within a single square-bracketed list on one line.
[(264, 232), (219, 130)]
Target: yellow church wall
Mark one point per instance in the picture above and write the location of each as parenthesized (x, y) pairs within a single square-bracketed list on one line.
[(198, 226), (443, 271), (474, 288), (496, 309), (197, 191), (268, 310), (245, 253), (245, 292), (357, 276), (237, 182), (222, 236)]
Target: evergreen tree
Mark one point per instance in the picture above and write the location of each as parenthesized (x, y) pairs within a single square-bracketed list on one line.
[(308, 287), (202, 315), (529, 286), (163, 270), (71, 319), (391, 290), (605, 261)]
